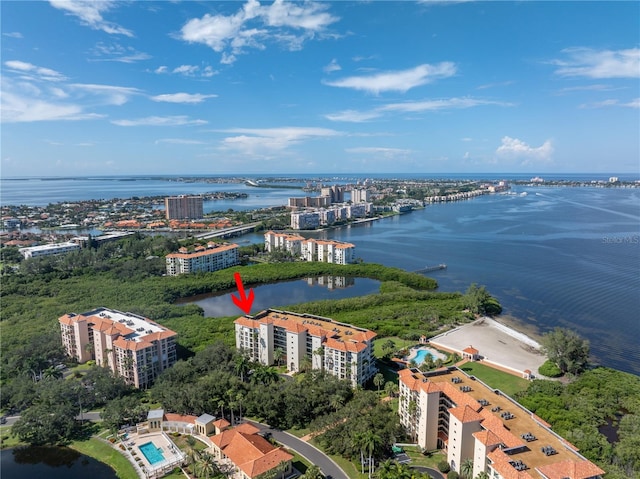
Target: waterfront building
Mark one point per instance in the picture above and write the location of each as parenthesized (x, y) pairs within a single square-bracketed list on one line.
[(250, 453), (326, 251), (302, 220), (449, 410), (184, 207), (132, 346), (202, 260), (309, 202), (359, 195), (283, 241), (341, 349), (335, 193), (49, 249)]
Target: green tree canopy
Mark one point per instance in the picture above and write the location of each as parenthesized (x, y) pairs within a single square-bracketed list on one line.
[(567, 350)]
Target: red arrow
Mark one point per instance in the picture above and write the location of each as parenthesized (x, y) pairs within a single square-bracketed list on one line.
[(243, 302)]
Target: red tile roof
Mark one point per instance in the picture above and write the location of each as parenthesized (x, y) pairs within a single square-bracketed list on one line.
[(251, 453)]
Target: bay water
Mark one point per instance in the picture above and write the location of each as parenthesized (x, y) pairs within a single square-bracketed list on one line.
[(553, 256)]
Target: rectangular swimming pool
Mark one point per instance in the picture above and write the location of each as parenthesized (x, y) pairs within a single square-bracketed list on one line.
[(151, 452)]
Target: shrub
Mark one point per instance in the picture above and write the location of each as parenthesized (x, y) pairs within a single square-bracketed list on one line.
[(112, 440), (453, 475), (443, 466), (549, 369)]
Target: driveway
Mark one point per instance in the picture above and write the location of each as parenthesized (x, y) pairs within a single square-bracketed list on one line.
[(432, 472), (309, 452)]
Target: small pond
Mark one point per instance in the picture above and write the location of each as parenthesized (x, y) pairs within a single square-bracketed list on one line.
[(51, 463), (282, 294)]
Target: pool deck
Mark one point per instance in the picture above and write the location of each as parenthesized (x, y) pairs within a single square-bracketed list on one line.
[(498, 345), (170, 451), (414, 353)]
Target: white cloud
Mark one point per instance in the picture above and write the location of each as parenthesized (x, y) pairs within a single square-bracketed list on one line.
[(161, 69), (19, 103), (515, 149), (34, 72), (175, 120), (186, 69), (117, 53), (306, 16), (441, 104), (182, 97), (412, 107), (255, 140), (108, 94), (495, 85), (332, 66), (611, 103), (253, 25), (402, 80), (23, 101), (590, 63), (353, 116), (90, 13), (13, 34)]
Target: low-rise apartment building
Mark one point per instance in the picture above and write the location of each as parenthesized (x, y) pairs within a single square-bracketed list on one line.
[(341, 349), (212, 258), (326, 251), (449, 410), (49, 249), (132, 346)]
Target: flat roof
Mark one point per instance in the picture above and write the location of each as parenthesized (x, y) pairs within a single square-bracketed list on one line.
[(50, 246), (507, 431), (316, 325)]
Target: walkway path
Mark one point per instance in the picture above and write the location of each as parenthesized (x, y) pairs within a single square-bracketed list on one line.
[(308, 451)]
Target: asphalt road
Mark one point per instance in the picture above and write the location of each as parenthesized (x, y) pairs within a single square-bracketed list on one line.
[(306, 450), (432, 472)]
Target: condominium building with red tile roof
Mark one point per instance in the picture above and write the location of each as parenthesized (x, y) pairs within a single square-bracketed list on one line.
[(341, 349), (212, 258), (449, 410), (132, 346)]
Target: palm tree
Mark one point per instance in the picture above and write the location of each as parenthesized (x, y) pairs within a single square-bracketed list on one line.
[(51, 373), (336, 401), (278, 355), (378, 380), (312, 472), (241, 365), (193, 455), (386, 470), (466, 468), (391, 388), (206, 466), (370, 441), (482, 475)]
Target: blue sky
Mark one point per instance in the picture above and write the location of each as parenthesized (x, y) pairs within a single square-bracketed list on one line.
[(198, 87)]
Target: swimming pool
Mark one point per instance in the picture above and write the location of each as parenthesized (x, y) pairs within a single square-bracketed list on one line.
[(151, 452), (421, 354)]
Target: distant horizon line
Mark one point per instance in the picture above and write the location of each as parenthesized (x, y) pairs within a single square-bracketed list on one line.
[(333, 174)]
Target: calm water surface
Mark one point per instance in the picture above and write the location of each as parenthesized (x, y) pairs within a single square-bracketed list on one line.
[(287, 293), (555, 257), (51, 463)]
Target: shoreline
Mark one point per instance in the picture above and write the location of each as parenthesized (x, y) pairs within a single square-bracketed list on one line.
[(496, 343)]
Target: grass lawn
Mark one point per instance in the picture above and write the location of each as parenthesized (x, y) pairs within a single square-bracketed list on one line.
[(418, 459), (7, 440), (299, 432), (181, 442), (105, 453), (400, 344), (507, 383)]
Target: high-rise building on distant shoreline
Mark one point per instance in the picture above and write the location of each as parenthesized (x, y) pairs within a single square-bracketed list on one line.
[(183, 207)]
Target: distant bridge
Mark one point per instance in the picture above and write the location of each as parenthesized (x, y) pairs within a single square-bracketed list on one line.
[(429, 269), (228, 232)]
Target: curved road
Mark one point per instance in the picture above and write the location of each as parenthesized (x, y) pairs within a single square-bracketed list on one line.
[(432, 472), (306, 450)]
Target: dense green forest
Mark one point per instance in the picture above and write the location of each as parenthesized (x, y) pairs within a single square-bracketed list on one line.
[(600, 400), (128, 276), (212, 377)]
